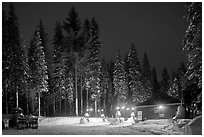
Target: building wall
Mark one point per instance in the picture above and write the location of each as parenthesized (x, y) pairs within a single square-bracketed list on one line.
[(158, 113)]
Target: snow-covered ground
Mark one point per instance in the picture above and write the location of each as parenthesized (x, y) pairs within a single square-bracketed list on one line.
[(96, 126)]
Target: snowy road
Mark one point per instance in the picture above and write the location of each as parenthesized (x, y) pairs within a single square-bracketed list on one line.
[(71, 126)]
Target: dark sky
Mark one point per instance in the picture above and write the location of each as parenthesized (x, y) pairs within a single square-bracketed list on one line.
[(157, 28)]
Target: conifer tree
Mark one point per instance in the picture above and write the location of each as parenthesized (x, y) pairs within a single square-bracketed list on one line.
[(178, 82), (72, 27), (39, 70), (94, 63), (155, 84), (193, 47), (104, 84), (135, 84), (110, 99), (165, 82), (119, 81), (59, 69), (15, 70), (5, 65), (174, 89), (193, 42), (146, 76)]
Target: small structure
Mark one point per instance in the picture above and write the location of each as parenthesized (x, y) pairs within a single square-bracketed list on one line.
[(160, 106)]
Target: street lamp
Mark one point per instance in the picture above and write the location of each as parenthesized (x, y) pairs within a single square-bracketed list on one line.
[(123, 107), (133, 108), (128, 108), (118, 108), (161, 107)]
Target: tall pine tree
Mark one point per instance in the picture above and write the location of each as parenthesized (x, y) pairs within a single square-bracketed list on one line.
[(14, 65), (165, 82), (39, 72), (193, 42), (94, 61), (155, 83), (119, 81), (136, 89), (146, 76), (193, 46)]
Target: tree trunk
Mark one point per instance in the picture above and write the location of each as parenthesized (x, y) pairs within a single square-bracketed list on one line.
[(39, 104), (70, 109), (81, 99), (54, 107), (76, 90), (87, 98), (6, 98), (17, 97), (33, 101), (27, 103), (65, 106), (44, 108), (95, 102), (60, 108)]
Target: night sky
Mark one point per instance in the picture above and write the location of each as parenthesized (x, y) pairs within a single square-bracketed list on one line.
[(157, 28)]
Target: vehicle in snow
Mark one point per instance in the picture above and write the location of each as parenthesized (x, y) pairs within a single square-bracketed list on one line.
[(18, 120)]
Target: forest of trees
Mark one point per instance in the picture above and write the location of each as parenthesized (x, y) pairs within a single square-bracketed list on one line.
[(69, 75)]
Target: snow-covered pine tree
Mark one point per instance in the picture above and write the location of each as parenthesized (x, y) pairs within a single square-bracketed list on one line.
[(59, 66), (72, 27), (165, 82), (126, 64), (136, 88), (178, 82), (69, 89), (146, 76), (110, 100), (40, 74), (193, 46), (47, 49), (94, 63), (15, 62), (193, 42), (174, 87), (104, 84), (5, 65), (119, 81)]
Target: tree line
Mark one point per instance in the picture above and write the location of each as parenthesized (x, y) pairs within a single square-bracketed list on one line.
[(68, 75)]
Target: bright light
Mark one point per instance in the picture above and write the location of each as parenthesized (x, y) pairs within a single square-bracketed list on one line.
[(98, 110), (118, 108), (133, 108), (91, 109), (128, 108), (101, 109), (123, 107), (87, 109), (161, 107)]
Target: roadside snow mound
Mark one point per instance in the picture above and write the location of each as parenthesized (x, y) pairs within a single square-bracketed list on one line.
[(159, 127), (94, 122), (60, 121), (130, 120)]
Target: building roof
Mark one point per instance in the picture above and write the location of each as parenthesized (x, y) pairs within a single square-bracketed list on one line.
[(161, 98)]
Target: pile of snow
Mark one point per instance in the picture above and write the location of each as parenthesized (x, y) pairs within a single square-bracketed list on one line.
[(130, 120), (60, 121), (94, 122), (159, 126)]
